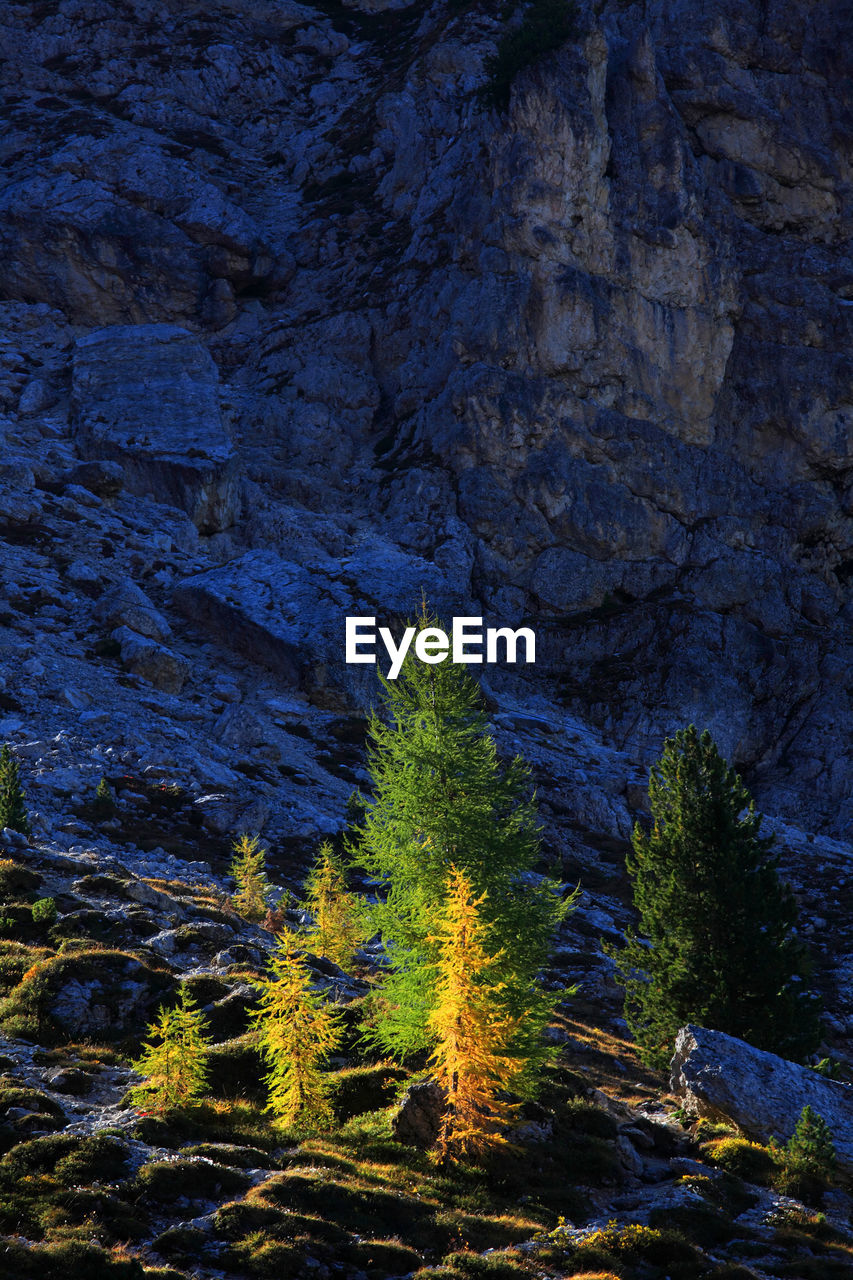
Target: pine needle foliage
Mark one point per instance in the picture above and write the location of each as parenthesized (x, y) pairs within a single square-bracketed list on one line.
[(441, 798), (174, 1062), (720, 922), (104, 799), (471, 1061), (298, 1031), (248, 870), (13, 808), (338, 927), (810, 1149)]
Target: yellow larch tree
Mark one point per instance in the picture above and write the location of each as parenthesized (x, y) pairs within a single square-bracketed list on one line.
[(248, 869), (471, 1060), (298, 1030), (174, 1062), (337, 928)]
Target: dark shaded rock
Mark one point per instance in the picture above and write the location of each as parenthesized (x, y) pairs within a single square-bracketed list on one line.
[(158, 665), (292, 619), (147, 397), (99, 476), (71, 1080), (417, 1122), (126, 605)]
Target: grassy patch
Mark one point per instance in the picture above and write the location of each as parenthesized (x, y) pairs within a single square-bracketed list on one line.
[(28, 1010), (193, 1179)]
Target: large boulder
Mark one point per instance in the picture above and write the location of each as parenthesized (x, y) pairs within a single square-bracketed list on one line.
[(165, 669), (147, 396), (127, 605), (417, 1120), (717, 1075), (98, 994), (292, 618)]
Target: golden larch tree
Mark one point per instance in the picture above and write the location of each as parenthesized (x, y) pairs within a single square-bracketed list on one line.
[(337, 928), (174, 1062), (298, 1030), (248, 869), (471, 1061)]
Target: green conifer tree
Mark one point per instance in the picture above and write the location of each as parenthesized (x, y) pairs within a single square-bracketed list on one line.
[(13, 809), (104, 802), (811, 1145), (174, 1062), (442, 798), (807, 1161), (723, 953), (298, 1030)]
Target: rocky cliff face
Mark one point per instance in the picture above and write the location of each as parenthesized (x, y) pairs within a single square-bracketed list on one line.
[(290, 328), (346, 334)]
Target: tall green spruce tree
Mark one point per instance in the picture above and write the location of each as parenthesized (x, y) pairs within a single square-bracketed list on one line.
[(723, 953), (441, 798), (13, 809)]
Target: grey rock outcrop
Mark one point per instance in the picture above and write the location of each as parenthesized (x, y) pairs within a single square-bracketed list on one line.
[(291, 618), (116, 998), (148, 396), (158, 665), (126, 605), (717, 1075), (417, 1121)]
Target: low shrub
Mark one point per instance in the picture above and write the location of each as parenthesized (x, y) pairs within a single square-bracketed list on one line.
[(44, 912), (15, 880), (744, 1159)]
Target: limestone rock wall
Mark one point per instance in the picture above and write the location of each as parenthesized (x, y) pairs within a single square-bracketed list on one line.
[(588, 360)]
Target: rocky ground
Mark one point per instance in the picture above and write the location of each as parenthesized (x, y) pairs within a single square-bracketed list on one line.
[(290, 328)]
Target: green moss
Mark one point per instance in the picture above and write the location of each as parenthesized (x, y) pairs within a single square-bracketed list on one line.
[(235, 1156), (15, 959), (59, 1260), (245, 1217), (701, 1223), (100, 1158), (268, 1258), (15, 1095), (16, 880), (206, 989), (113, 1218), (36, 1156), (369, 1088), (181, 1244), (167, 1180), (235, 1069), (25, 1012)]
